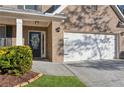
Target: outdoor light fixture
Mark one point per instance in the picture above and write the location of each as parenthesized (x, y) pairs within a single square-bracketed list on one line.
[(58, 29)]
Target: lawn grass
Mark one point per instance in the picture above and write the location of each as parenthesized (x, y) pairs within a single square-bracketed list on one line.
[(57, 81)]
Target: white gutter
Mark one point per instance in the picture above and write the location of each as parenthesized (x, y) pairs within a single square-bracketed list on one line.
[(30, 13)]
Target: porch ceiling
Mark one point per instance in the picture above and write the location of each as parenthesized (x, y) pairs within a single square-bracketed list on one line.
[(26, 22)]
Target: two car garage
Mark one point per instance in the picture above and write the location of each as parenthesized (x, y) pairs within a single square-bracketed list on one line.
[(85, 46)]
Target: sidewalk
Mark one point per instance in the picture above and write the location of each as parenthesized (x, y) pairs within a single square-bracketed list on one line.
[(49, 68)]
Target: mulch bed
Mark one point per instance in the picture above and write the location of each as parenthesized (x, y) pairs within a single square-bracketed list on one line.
[(11, 81)]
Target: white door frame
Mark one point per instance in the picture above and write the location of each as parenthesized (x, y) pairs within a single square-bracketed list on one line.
[(42, 33)]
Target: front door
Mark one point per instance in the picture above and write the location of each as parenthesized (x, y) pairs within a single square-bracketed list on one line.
[(35, 43)]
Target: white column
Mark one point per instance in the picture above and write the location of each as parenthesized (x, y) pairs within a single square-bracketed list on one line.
[(19, 32)]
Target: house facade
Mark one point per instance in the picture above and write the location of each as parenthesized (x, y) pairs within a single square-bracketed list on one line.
[(61, 33)]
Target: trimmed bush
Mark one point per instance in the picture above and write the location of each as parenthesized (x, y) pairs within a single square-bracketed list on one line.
[(15, 60)]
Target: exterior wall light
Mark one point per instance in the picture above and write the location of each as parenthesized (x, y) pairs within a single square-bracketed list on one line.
[(58, 29)]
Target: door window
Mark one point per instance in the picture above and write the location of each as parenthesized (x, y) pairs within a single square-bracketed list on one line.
[(35, 43)]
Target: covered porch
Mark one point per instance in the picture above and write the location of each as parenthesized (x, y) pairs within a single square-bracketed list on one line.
[(36, 30)]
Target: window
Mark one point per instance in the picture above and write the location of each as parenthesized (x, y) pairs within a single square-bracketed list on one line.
[(2, 31), (31, 7), (9, 31), (5, 35), (121, 7), (28, 7), (52, 8), (2, 35), (8, 35)]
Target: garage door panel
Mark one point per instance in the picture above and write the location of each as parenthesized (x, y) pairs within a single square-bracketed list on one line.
[(88, 46)]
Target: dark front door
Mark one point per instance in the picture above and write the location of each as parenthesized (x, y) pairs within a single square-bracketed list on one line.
[(35, 43)]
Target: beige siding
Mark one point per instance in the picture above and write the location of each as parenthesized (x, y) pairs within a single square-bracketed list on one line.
[(81, 19), (57, 43), (49, 42)]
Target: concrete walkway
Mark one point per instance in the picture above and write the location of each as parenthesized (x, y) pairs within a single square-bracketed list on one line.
[(49, 68)]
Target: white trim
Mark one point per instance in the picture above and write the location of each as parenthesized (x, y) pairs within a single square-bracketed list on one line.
[(44, 55), (19, 32), (44, 33), (8, 10)]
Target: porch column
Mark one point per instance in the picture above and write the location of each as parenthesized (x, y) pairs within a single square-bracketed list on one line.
[(19, 32)]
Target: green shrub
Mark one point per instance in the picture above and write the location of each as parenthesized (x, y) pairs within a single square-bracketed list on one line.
[(15, 60)]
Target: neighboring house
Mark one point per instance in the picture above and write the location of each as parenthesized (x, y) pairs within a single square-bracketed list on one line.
[(64, 33)]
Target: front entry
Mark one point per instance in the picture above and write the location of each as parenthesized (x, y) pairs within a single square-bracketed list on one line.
[(35, 43)]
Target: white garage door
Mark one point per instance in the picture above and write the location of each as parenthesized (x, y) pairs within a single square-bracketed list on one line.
[(78, 46)]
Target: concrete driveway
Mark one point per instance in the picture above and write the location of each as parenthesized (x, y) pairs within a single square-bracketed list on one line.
[(99, 73), (92, 73)]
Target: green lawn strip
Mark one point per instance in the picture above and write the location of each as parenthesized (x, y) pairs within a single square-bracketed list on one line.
[(57, 81)]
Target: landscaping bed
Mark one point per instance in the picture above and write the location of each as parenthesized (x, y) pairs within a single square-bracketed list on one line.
[(15, 66), (16, 81)]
